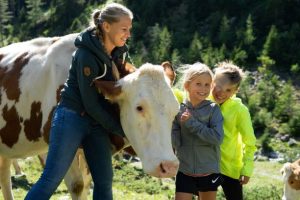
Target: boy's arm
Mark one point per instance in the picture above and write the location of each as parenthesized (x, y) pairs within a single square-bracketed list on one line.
[(249, 140)]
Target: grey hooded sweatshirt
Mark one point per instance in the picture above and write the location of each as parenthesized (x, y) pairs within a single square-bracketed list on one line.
[(197, 141)]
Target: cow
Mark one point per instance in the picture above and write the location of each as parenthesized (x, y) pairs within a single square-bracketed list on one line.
[(291, 177), (32, 74)]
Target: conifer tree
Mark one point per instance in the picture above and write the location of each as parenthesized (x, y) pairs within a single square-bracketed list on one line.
[(194, 52), (160, 43), (224, 34), (249, 33), (5, 17), (34, 11), (265, 58)]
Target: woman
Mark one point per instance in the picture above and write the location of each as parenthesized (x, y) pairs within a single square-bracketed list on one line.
[(82, 117)]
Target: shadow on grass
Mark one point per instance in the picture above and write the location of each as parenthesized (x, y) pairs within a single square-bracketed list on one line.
[(20, 181)]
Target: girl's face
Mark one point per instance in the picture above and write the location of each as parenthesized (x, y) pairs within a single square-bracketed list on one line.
[(116, 34), (198, 88), (222, 88)]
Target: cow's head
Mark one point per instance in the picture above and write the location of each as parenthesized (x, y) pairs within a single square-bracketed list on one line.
[(147, 109), (290, 173)]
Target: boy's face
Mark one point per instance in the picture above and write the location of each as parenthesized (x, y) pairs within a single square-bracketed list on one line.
[(222, 88)]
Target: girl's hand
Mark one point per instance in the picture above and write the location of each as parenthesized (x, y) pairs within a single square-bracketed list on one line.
[(244, 179), (185, 115)]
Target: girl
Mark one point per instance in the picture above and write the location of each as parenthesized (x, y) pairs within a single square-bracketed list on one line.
[(82, 116), (238, 147), (196, 137)]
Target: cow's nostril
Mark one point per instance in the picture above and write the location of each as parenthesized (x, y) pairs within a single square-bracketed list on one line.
[(162, 168)]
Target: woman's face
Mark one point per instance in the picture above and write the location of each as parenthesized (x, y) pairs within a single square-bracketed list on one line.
[(116, 34)]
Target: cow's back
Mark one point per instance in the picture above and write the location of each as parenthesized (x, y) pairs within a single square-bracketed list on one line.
[(31, 75)]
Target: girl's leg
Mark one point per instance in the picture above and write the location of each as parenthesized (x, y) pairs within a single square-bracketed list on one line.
[(232, 188), (183, 196), (97, 149), (185, 187), (66, 133), (211, 195)]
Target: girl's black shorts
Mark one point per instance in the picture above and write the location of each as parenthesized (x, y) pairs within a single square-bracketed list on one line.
[(190, 184)]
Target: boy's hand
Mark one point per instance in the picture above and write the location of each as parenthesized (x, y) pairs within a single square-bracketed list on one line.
[(244, 179), (185, 115)]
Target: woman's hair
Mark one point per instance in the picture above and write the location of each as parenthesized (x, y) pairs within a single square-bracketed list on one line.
[(192, 71), (111, 13), (232, 72)]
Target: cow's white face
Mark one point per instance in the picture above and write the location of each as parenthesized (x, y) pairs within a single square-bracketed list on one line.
[(147, 109)]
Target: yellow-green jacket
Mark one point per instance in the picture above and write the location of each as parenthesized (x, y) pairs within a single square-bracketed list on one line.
[(238, 147), (179, 94)]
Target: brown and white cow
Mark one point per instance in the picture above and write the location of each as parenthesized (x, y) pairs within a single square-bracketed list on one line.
[(291, 178), (31, 75)]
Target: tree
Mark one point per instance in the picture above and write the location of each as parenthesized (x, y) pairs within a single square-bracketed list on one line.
[(249, 33), (34, 11), (194, 52), (265, 58), (161, 43), (5, 17), (225, 33)]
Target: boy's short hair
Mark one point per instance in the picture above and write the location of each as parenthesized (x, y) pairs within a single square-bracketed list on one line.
[(231, 71)]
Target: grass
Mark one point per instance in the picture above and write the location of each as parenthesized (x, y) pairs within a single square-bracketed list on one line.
[(130, 183)]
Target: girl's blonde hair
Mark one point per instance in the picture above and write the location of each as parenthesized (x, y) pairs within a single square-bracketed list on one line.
[(111, 13), (192, 71), (234, 74)]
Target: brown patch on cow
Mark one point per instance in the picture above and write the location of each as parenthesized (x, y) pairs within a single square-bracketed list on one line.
[(295, 167), (10, 132), (124, 68), (1, 56), (47, 126), (109, 89), (117, 141), (55, 39), (130, 150), (10, 80), (294, 179), (33, 125), (77, 187), (58, 93), (169, 71), (293, 182)]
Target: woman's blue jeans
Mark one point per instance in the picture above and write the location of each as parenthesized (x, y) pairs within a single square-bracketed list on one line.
[(69, 130)]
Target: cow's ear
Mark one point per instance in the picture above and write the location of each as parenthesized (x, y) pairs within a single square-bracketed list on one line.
[(110, 89), (169, 71)]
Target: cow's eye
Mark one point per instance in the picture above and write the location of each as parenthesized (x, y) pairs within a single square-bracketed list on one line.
[(139, 108)]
